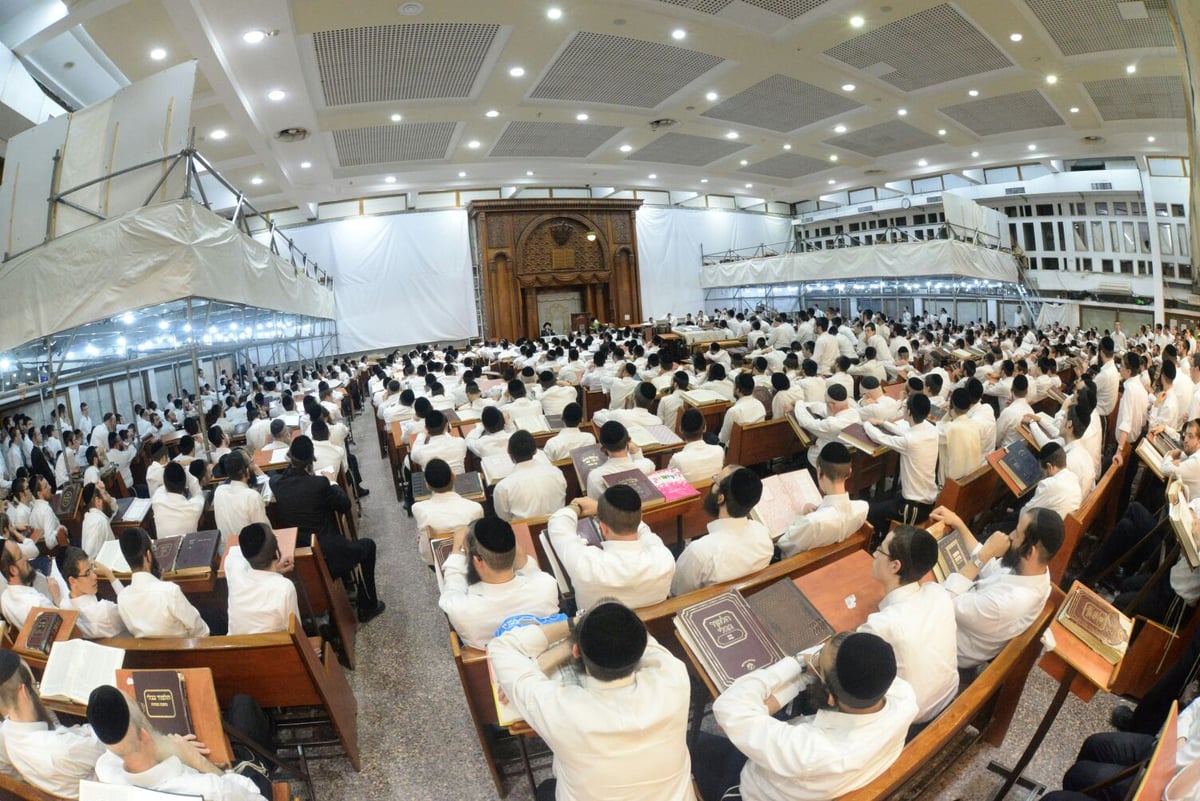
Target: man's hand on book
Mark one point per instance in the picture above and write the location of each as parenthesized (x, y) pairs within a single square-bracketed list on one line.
[(585, 505), (193, 753), (943, 515)]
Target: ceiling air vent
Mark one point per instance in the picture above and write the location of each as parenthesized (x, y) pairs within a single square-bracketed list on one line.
[(806, 219), (933, 199), (874, 171), (1015, 190), (292, 135), (1100, 186), (665, 122), (862, 209)]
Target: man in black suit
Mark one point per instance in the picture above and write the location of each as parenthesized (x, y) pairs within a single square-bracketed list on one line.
[(309, 503)]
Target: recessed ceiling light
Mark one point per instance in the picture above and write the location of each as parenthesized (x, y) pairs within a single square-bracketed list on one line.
[(218, 134), (411, 9), (703, 180), (304, 165), (529, 173), (711, 96), (974, 154), (1074, 109), (554, 13), (678, 33), (848, 87), (1052, 79), (462, 174), (1149, 138), (973, 92), (276, 95), (839, 129), (653, 175), (787, 147), (1130, 69), (731, 135), (941, 131), (743, 162), (516, 72), (256, 180), (391, 179), (922, 163), (1031, 147), (749, 186), (857, 22), (491, 112), (832, 182), (581, 117), (626, 148), (833, 157), (1015, 37), (903, 112), (473, 144), (254, 36), (158, 54), (396, 118)]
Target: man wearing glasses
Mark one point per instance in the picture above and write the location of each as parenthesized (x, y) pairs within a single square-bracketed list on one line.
[(97, 618)]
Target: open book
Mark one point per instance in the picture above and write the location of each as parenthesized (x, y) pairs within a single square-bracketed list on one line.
[(97, 791), (1181, 518), (76, 667), (784, 495)]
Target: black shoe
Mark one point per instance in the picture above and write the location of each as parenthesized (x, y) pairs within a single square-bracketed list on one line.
[(362, 491), (369, 613), (1122, 718)]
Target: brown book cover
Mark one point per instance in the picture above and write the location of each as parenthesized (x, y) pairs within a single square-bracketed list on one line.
[(856, 436), (727, 637), (651, 496), (161, 696), (66, 501), (952, 554), (451, 416), (788, 616), (470, 486), (587, 459), (197, 552), (1097, 622), (588, 530), (43, 631), (166, 549)]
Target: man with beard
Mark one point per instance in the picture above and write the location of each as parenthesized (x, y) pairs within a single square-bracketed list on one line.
[(149, 606), (48, 755), (999, 593), (735, 545), (20, 596)]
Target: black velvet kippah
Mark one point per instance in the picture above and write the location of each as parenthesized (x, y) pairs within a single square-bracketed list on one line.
[(108, 713), (611, 636), (495, 534)]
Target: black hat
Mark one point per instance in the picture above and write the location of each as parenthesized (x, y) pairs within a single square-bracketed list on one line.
[(301, 449), (613, 434), (745, 487), (835, 453), (611, 636), (495, 535), (865, 667), (869, 382), (9, 662), (108, 712), (835, 393)]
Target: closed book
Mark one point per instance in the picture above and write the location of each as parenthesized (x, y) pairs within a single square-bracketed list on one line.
[(784, 496), (1097, 622), (165, 550), (470, 486), (66, 501), (672, 484), (44, 630), (727, 638), (788, 616), (855, 436), (1019, 464), (635, 478), (161, 696), (197, 552), (588, 529), (420, 490), (585, 460), (952, 555), (1180, 516)]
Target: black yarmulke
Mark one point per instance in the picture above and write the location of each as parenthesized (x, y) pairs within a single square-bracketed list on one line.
[(495, 535), (108, 712), (869, 382), (302, 449), (613, 434), (9, 662), (623, 497), (836, 393), (866, 667), (745, 487), (835, 453), (611, 636)]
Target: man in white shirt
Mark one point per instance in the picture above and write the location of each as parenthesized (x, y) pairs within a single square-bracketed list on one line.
[(41, 514), (175, 512), (444, 510), (490, 436), (671, 405), (1108, 379), (437, 443), (1134, 407), (1059, 487), (916, 619), (839, 415), (983, 415), (697, 460), (96, 529), (235, 503), (631, 565), (569, 437), (154, 470), (837, 517), (735, 545), (503, 588), (826, 350), (620, 386), (20, 596), (534, 488), (918, 449), (746, 408), (257, 434), (49, 756), (1009, 421), (149, 606), (553, 396), (622, 455), (1004, 587), (858, 733), (621, 734), (639, 414), (98, 618), (261, 599)]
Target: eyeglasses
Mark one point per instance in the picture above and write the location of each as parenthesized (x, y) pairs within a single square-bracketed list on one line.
[(91, 571), (880, 552)]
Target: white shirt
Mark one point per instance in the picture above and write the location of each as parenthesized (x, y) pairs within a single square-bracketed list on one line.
[(175, 514), (561, 444), (556, 398), (918, 621), (258, 433), (996, 607), (809, 759), (825, 352), (452, 450), (478, 609), (1131, 415), (1009, 420), (329, 457), (745, 410), (532, 489), (615, 464), (151, 607), (636, 572), (918, 449), (1108, 378), (53, 760), (154, 477), (1079, 462), (836, 518), (96, 531), (121, 459), (1059, 492), (98, 618), (235, 506), (260, 601), (826, 430), (698, 461), (734, 547), (1188, 471), (669, 408), (483, 444), (41, 516), (17, 601), (172, 776), (623, 740)]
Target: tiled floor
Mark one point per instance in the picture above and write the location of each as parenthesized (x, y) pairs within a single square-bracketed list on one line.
[(416, 736)]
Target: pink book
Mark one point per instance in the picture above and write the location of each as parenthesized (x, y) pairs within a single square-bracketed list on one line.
[(672, 484)]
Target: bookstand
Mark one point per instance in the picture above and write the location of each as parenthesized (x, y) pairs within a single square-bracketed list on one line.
[(204, 711), (35, 658)]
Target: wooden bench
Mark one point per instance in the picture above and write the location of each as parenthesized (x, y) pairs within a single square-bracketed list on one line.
[(970, 496), (988, 703), (756, 443), (281, 669), (324, 595), (1078, 523), (12, 787)]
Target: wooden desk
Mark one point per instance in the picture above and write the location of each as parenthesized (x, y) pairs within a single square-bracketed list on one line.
[(203, 709), (262, 460), (828, 588)]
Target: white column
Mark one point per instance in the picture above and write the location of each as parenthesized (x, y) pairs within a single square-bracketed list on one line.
[(1155, 251)]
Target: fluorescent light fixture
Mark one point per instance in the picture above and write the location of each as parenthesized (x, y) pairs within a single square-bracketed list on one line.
[(922, 163), (1130, 69), (554, 13), (941, 131), (1051, 79), (626, 148), (703, 180), (1015, 37), (749, 186), (903, 112), (652, 176), (974, 154), (396, 118), (516, 72), (391, 179), (529, 173), (787, 147), (973, 92), (1149, 138), (711, 96), (473, 144), (743, 162), (832, 182), (857, 22), (731, 135), (848, 87), (1031, 148), (462, 174), (256, 180), (304, 165), (839, 129), (491, 112), (582, 117), (833, 157), (1074, 109)]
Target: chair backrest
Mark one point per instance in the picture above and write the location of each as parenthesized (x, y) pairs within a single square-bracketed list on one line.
[(1079, 522), (755, 443), (970, 495)]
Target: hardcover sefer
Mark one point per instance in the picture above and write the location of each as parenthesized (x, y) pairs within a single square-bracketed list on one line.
[(727, 638), (635, 478), (161, 696), (1097, 622)]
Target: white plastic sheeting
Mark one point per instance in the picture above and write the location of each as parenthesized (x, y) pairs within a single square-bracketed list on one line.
[(1065, 314), (971, 216), (669, 250), (399, 279), (940, 258), (148, 256)]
